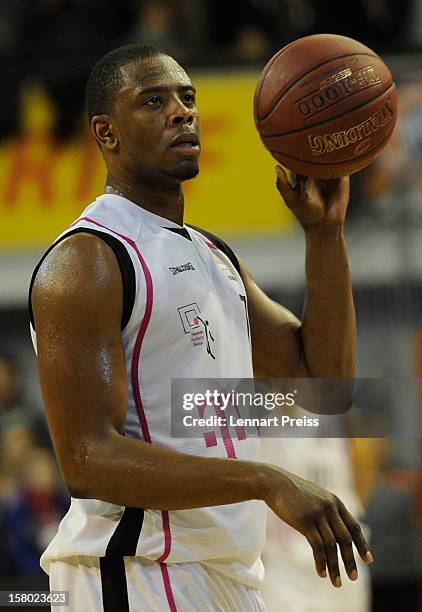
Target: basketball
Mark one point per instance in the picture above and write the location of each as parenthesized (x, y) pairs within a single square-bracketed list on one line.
[(325, 106)]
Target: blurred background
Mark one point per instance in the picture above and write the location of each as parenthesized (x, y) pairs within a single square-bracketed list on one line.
[(50, 169)]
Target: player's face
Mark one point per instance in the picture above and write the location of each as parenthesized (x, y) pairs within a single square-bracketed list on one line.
[(157, 122)]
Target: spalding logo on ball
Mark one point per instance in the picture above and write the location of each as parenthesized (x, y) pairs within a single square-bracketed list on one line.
[(325, 106)]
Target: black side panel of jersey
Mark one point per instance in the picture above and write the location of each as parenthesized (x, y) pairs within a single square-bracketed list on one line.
[(125, 538), (114, 585), (125, 265), (220, 244)]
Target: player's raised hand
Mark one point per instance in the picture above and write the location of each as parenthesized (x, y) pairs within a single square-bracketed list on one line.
[(322, 518), (315, 203)]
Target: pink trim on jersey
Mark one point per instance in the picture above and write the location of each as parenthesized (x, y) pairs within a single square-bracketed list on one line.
[(141, 332), (137, 394), (167, 586), (167, 537)]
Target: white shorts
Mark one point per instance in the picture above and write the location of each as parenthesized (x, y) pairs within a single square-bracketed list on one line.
[(126, 584)]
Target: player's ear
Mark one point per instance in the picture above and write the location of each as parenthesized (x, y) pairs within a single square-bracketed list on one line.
[(104, 131)]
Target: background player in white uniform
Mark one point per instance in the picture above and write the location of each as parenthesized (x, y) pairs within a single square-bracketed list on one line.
[(288, 567), (129, 298)]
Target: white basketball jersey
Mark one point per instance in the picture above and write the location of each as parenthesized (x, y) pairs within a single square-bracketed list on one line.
[(287, 553), (189, 320)]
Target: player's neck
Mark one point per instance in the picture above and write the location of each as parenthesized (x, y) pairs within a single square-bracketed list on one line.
[(167, 204)]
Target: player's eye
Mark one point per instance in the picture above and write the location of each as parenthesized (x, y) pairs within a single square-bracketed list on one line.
[(153, 101), (189, 98)]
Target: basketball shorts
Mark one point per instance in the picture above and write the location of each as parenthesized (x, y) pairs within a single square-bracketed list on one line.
[(127, 584)]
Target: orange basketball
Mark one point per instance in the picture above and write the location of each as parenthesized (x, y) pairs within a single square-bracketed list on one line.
[(325, 106)]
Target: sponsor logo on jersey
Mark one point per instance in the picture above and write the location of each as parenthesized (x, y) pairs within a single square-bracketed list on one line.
[(222, 264), (182, 268), (197, 326)]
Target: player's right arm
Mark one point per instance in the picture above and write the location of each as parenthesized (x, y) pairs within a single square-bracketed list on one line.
[(77, 301)]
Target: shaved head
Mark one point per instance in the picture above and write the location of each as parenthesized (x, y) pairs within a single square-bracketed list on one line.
[(108, 76)]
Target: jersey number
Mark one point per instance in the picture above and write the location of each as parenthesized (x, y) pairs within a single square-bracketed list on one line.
[(209, 437)]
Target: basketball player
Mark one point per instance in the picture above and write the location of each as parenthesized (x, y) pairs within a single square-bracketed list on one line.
[(330, 463), (128, 298)]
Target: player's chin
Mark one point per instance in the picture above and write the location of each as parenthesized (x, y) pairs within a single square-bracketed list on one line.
[(186, 170)]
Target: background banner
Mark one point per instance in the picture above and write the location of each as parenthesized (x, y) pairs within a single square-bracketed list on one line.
[(44, 185)]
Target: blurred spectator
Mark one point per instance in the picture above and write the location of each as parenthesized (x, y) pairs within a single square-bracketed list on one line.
[(12, 411), (15, 411), (391, 516), (34, 510), (7, 567), (198, 33), (178, 27), (413, 29), (252, 31), (63, 40), (252, 44), (158, 24), (195, 15), (15, 442), (395, 175), (300, 17)]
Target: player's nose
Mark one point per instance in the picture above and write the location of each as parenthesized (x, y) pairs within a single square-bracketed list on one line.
[(181, 114)]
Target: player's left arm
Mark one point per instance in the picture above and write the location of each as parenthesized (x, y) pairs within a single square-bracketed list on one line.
[(322, 345)]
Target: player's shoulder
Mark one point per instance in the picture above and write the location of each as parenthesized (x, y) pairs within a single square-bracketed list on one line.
[(76, 260), (79, 265), (220, 244), (75, 251)]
